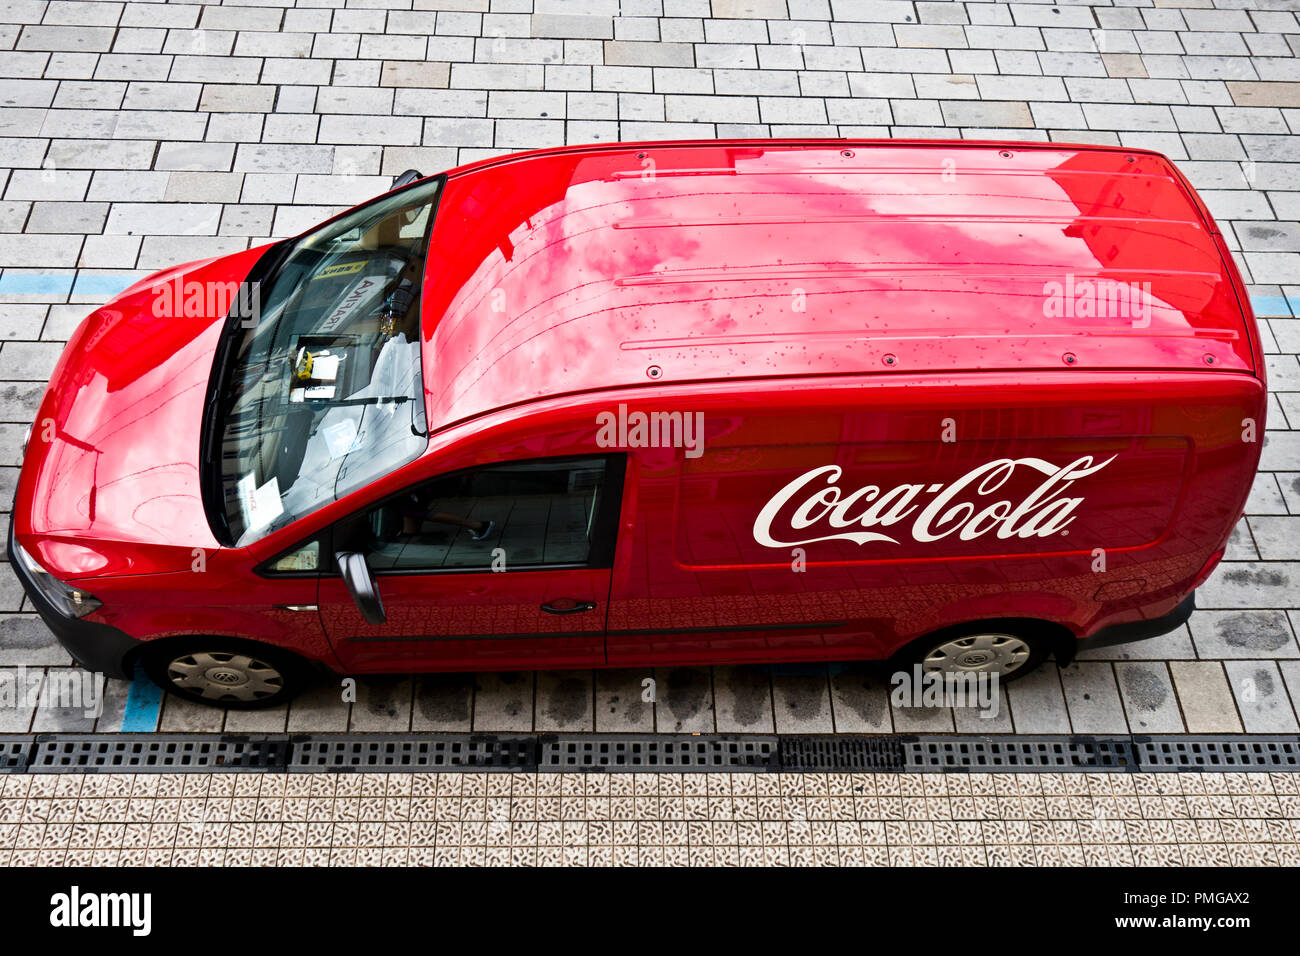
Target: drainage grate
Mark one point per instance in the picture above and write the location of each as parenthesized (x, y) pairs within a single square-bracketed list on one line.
[(1009, 753), (139, 753), (13, 753), (100, 753), (843, 754), (401, 752), (654, 752), (1218, 753)]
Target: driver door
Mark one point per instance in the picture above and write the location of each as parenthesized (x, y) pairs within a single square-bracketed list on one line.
[(504, 566)]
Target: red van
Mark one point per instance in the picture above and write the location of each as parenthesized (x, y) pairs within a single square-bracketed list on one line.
[(963, 404)]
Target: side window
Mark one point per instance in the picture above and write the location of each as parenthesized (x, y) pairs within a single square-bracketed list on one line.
[(517, 514), (305, 558)]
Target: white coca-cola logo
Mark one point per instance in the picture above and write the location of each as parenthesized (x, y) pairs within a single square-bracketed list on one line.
[(962, 507)]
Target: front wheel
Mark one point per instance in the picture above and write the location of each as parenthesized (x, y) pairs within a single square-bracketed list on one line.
[(1008, 651), (224, 672)]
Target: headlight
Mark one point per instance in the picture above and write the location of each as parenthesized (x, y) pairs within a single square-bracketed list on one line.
[(67, 600)]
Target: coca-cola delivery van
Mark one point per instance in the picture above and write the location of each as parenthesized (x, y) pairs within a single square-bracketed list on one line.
[(962, 405)]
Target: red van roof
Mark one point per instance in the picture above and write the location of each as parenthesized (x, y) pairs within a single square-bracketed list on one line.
[(584, 268)]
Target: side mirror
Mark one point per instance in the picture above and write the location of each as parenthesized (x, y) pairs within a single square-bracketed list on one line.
[(410, 176), (361, 585)]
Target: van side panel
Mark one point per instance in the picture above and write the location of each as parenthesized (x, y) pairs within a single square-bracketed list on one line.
[(825, 523)]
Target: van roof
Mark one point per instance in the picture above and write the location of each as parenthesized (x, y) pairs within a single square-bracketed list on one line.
[(584, 268)]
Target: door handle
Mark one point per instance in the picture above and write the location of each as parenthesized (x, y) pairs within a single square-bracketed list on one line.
[(568, 606)]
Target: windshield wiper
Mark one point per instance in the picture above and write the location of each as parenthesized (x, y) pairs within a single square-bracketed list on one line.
[(374, 400)]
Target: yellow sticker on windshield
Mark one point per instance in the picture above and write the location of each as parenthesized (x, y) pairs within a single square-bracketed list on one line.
[(341, 269)]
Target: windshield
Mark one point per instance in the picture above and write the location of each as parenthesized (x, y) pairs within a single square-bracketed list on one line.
[(323, 391)]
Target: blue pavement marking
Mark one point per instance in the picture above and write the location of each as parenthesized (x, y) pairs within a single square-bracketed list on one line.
[(20, 283), (1273, 305), (103, 285), (143, 702)]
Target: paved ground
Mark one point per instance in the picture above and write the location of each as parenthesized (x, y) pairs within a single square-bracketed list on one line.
[(1091, 819), (136, 135)]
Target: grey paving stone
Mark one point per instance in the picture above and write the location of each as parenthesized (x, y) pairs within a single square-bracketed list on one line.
[(1241, 546), (1276, 536), (1261, 697), (19, 401), (860, 699), (1266, 496), (114, 706), (564, 702), (743, 699), (1147, 692), (383, 705), (684, 700), (1290, 671), (1205, 697), (272, 720), (621, 706), (801, 700), (189, 717), (747, 9), (921, 720), (31, 361), (1235, 584), (1038, 703), (443, 703), (22, 687), (503, 702), (319, 709), (1243, 634), (1289, 482), (984, 113), (981, 720), (572, 26), (1093, 698)]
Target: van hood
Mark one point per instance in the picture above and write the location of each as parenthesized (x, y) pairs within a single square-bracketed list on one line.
[(110, 475)]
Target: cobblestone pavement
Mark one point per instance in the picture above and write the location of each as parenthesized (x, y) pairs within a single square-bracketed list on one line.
[(1211, 819), (136, 135)]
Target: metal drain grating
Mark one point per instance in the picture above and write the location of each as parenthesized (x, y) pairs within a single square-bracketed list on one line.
[(843, 754), (140, 753), (651, 752), (403, 753), (103, 753), (1218, 753), (993, 754), (13, 753)]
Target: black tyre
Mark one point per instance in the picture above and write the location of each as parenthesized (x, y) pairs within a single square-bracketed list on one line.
[(1011, 649), (225, 672)]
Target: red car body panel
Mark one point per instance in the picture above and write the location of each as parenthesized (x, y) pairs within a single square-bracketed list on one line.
[(827, 305), (605, 271)]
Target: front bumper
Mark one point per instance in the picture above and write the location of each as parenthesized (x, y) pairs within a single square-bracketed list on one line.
[(96, 647), (1127, 633)]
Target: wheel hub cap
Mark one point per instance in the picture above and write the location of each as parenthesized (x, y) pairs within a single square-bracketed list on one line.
[(219, 675), (979, 653)]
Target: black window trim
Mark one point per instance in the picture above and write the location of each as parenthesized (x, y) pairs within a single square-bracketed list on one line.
[(264, 569), (604, 544)]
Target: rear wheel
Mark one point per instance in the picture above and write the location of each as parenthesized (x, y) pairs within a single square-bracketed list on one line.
[(225, 672), (1010, 651)]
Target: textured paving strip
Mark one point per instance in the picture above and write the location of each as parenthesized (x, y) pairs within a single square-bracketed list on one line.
[(651, 819)]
